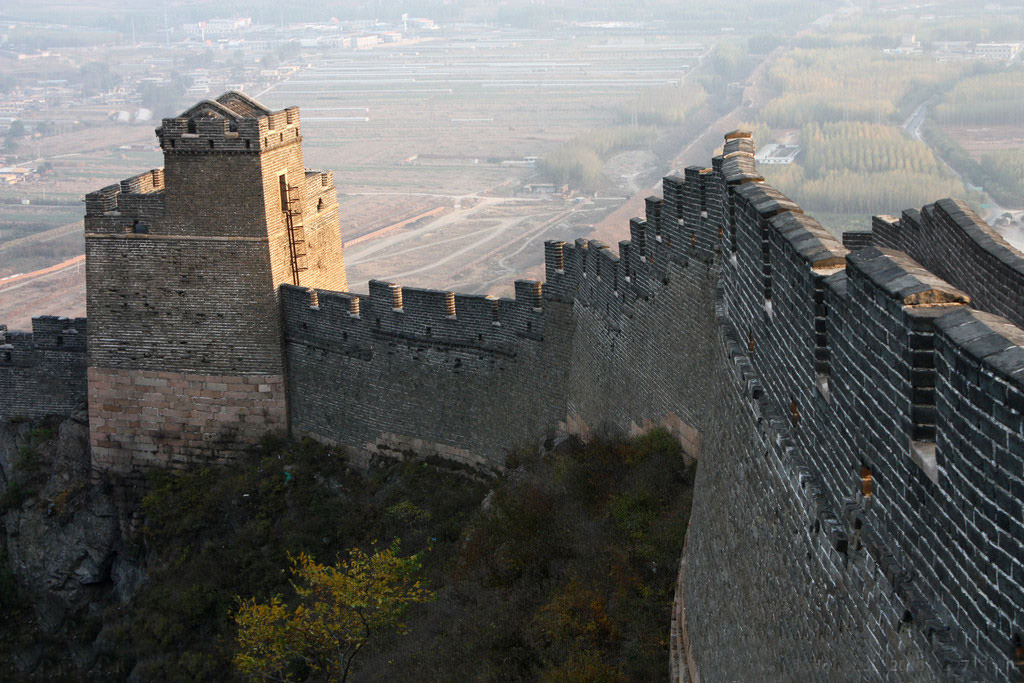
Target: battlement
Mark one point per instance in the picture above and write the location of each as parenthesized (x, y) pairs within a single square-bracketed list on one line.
[(233, 123), (320, 191), (43, 372), (49, 333), (896, 352), (949, 239), (132, 206), (405, 315)]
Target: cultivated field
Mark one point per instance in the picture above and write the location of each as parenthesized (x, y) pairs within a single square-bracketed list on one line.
[(431, 143)]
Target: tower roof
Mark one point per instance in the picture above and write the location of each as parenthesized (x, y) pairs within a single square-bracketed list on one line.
[(233, 105)]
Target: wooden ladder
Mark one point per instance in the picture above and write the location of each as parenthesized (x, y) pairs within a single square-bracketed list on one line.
[(296, 233)]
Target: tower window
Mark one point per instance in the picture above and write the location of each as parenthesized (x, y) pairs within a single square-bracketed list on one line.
[(191, 127), (320, 205), (282, 184)]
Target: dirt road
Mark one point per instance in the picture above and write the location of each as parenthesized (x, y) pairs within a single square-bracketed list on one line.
[(55, 290)]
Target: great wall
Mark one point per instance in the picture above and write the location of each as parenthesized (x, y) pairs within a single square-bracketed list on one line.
[(856, 407)]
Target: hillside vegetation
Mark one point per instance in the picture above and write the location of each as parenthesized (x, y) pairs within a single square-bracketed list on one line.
[(561, 568)]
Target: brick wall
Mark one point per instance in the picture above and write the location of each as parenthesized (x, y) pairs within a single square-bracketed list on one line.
[(467, 377), (43, 372), (146, 418), (872, 519)]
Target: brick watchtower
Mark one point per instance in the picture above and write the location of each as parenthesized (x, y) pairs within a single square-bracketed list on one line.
[(183, 265)]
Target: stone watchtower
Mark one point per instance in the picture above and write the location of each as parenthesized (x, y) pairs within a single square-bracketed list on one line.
[(183, 265)]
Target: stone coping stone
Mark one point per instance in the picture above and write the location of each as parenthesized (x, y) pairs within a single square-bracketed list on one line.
[(989, 338), (766, 199), (809, 238), (740, 168), (980, 232), (903, 278)]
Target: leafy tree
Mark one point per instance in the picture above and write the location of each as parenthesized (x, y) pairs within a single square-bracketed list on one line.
[(337, 611)]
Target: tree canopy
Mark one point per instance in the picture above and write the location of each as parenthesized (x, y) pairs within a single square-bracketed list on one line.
[(337, 610)]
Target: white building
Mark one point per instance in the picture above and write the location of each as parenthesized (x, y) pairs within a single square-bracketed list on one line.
[(1001, 51)]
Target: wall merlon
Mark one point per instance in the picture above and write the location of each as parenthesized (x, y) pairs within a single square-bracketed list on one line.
[(810, 239), (740, 168), (911, 218), (765, 199), (102, 201), (858, 239), (738, 144), (990, 339), (902, 278), (638, 236), (652, 212), (529, 294), (143, 183)]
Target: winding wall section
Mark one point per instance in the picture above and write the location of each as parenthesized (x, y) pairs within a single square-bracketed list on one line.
[(858, 410), (858, 418)]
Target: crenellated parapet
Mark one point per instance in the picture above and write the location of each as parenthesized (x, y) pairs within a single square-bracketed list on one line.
[(231, 124), (43, 372), (951, 240), (132, 206), (396, 315), (882, 378), (898, 387)]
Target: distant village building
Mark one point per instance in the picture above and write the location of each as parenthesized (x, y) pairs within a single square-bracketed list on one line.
[(216, 27), (1001, 51), (9, 175), (365, 42), (909, 45)]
